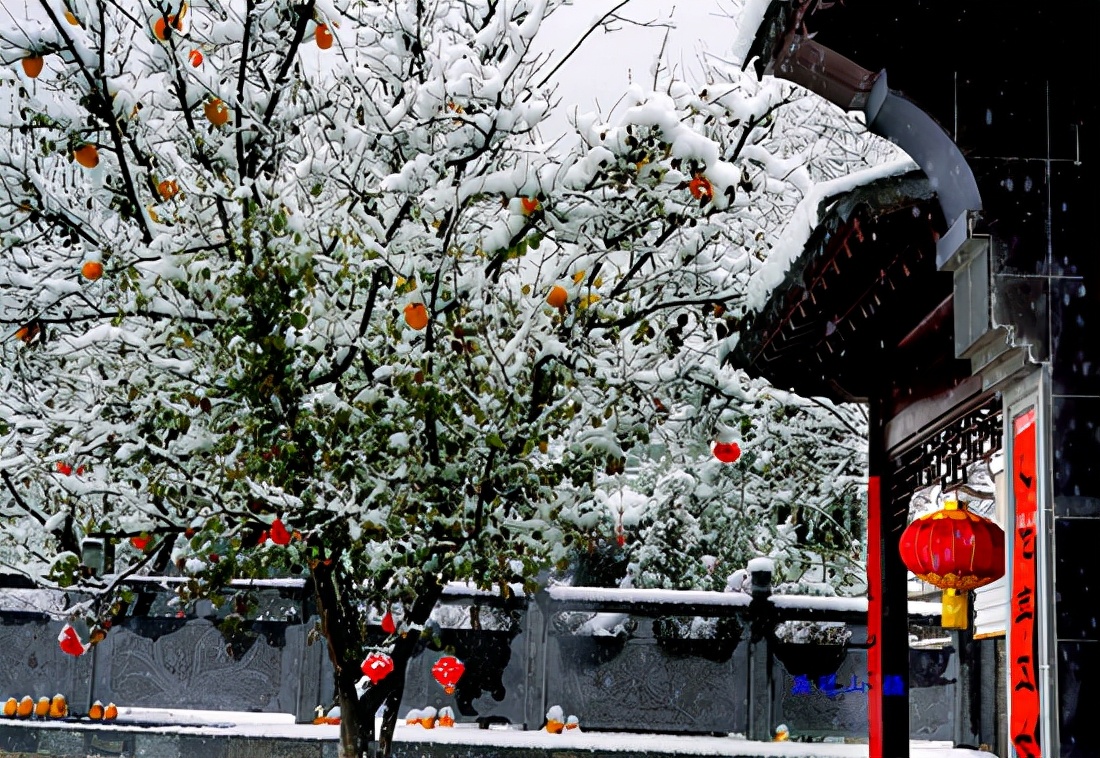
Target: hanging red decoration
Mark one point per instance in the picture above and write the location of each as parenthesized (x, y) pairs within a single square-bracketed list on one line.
[(447, 671), (957, 551), (388, 625), (279, 535), (70, 641), (376, 667), (727, 452), (140, 542)]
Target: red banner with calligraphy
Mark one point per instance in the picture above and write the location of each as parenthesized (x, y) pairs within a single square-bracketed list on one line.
[(1024, 726), (875, 589)]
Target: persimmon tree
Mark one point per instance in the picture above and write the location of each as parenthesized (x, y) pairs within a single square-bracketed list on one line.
[(298, 287)]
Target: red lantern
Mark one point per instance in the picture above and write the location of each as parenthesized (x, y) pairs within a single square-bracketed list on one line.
[(727, 452), (388, 625), (447, 671), (957, 551), (70, 641), (376, 667), (279, 535)]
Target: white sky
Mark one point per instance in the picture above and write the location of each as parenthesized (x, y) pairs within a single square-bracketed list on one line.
[(598, 73)]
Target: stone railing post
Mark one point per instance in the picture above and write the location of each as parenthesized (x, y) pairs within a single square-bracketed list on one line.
[(536, 625), (762, 622)]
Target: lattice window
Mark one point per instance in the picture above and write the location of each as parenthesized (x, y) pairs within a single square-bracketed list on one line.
[(945, 457)]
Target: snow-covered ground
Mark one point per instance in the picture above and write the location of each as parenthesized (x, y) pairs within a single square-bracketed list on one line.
[(269, 725)]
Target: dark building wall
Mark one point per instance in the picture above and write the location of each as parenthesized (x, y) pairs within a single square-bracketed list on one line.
[(1012, 83)]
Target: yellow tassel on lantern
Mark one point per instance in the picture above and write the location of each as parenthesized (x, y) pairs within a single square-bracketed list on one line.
[(955, 610)]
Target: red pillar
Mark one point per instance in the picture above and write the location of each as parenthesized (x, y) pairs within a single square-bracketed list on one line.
[(887, 604), (874, 614)]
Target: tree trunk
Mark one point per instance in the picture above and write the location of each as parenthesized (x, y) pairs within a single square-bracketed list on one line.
[(340, 624), (356, 718)]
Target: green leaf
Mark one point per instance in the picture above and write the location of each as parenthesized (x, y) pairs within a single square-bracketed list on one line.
[(494, 440)]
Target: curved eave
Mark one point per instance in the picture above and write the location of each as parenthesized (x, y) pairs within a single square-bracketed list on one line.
[(864, 281)]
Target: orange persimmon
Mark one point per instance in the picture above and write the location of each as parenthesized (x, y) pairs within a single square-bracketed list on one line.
[(416, 316), (162, 30), (217, 113), (87, 156), (701, 188), (32, 66), (557, 296)]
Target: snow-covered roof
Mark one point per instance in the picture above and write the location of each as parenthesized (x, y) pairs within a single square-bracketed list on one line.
[(791, 243)]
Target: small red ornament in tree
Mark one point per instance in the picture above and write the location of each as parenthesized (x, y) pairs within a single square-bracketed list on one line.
[(64, 468), (140, 542), (727, 452), (70, 641), (376, 667), (388, 625), (279, 535), (447, 671)]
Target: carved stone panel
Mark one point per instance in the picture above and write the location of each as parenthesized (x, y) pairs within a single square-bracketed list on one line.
[(637, 684), (819, 702), (933, 683), (493, 686), (192, 666), (32, 663), (812, 701)]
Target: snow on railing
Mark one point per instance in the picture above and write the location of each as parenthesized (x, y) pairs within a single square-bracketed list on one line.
[(50, 601), (678, 597)]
